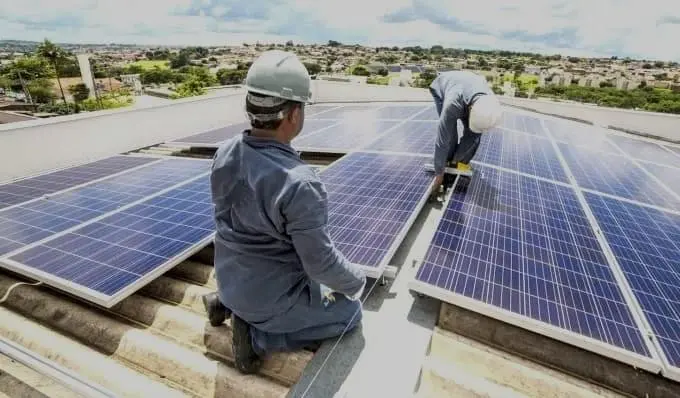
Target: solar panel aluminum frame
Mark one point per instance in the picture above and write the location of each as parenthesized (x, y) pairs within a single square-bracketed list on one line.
[(377, 272), (79, 185), (89, 294), (533, 325)]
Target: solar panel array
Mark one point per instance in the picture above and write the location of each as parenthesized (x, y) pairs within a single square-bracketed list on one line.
[(571, 232), (568, 231), (86, 240)]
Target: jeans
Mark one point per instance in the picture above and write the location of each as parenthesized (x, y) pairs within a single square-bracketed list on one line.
[(311, 319), (464, 150)]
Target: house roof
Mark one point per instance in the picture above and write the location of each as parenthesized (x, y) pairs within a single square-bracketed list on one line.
[(157, 341)]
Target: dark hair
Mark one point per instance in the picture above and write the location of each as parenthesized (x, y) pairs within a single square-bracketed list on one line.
[(286, 107)]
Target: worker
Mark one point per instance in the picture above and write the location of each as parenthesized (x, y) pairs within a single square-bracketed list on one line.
[(279, 275), (464, 96)]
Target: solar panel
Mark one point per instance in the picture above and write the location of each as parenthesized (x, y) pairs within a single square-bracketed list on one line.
[(35, 187), (399, 112), (520, 152), (343, 137), (108, 259), (373, 198), (669, 176), (31, 222), (411, 137), (615, 175), (429, 114), (645, 150), (522, 250), (593, 138), (315, 109), (342, 112), (527, 124), (645, 242), (216, 136)]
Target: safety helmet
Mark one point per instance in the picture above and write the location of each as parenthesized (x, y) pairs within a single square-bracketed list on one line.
[(486, 113), (279, 74)]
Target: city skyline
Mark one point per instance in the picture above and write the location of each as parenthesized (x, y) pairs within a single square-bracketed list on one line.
[(579, 28)]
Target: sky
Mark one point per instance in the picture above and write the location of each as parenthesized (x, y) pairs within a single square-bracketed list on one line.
[(641, 29)]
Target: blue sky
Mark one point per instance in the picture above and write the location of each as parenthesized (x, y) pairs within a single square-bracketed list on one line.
[(648, 29)]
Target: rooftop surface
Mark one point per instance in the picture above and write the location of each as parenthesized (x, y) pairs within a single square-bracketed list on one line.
[(157, 342)]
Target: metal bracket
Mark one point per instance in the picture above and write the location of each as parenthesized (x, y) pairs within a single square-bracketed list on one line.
[(390, 272), (450, 170)]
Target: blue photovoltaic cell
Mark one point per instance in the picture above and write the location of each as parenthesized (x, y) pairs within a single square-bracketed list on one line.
[(521, 152), (216, 136), (34, 187), (117, 251), (646, 244), (645, 150), (342, 112), (429, 114), (615, 175), (527, 124), (31, 222), (411, 137), (526, 246), (669, 176), (345, 136), (583, 135), (371, 197), (314, 109), (399, 112)]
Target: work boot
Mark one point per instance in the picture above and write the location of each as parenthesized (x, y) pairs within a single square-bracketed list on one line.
[(246, 359), (217, 312)]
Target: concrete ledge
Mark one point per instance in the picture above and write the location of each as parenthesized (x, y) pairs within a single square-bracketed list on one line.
[(552, 353)]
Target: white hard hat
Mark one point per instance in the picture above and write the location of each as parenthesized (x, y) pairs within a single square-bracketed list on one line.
[(279, 74), (485, 114)]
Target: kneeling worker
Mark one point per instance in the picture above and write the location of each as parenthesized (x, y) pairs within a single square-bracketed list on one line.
[(466, 96), (274, 260)]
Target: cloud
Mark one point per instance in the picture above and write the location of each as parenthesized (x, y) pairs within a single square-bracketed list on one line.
[(573, 27)]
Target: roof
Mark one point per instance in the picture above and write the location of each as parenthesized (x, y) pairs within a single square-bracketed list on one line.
[(157, 342)]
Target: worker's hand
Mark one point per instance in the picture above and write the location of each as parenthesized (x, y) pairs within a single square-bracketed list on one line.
[(438, 180)]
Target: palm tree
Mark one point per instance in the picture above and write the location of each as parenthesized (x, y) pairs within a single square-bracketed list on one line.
[(53, 54)]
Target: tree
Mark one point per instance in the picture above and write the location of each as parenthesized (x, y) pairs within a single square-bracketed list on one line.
[(312, 68), (80, 92), (179, 60), (231, 76), (191, 87), (289, 43), (360, 71), (54, 54)]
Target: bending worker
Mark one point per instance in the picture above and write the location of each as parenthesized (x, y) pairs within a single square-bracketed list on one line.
[(466, 96), (275, 264)]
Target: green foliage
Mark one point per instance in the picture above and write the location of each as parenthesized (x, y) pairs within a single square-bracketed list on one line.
[(160, 76), (110, 100), (30, 67), (60, 108), (360, 70), (230, 76), (425, 79), (646, 98), (79, 91), (383, 72), (380, 80), (41, 91), (312, 68), (193, 86)]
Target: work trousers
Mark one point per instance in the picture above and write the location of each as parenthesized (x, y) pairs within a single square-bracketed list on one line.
[(313, 318), (464, 150)]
